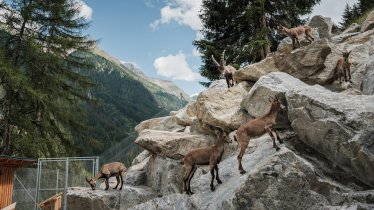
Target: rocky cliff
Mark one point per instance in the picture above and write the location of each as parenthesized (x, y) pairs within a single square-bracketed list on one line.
[(325, 162)]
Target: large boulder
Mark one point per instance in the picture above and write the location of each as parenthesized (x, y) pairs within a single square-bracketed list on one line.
[(314, 64), (221, 106), (171, 145), (254, 71), (308, 63), (186, 115), (136, 175), (164, 175), (323, 25), (338, 126), (168, 123), (85, 198), (368, 24), (274, 84)]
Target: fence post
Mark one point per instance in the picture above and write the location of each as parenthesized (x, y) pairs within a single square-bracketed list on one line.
[(66, 181)]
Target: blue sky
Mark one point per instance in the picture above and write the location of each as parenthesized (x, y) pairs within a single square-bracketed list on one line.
[(157, 35)]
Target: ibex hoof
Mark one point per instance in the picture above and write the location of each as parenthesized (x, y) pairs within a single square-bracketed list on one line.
[(277, 148), (280, 141), (243, 172), (212, 188), (219, 181)]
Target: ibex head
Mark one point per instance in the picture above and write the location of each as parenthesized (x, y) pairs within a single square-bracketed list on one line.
[(276, 104), (92, 183)]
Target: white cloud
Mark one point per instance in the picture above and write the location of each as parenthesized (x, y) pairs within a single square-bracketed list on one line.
[(84, 10), (196, 52), (184, 12), (175, 67)]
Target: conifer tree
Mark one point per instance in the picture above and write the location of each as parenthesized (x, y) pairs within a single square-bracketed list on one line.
[(246, 29), (39, 75)]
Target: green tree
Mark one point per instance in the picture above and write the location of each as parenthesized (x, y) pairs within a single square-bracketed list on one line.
[(245, 28), (39, 76)]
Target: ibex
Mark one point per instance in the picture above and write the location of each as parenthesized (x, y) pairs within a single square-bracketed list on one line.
[(294, 33), (106, 171), (227, 71), (343, 67), (210, 155), (258, 127)]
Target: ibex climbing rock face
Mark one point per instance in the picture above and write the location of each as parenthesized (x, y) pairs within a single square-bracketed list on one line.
[(343, 67), (258, 127), (210, 155), (106, 171), (227, 71), (294, 33)]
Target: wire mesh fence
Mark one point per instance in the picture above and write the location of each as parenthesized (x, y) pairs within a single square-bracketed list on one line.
[(52, 176)]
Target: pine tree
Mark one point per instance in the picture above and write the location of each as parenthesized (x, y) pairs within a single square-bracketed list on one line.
[(39, 75), (246, 29), (365, 5), (347, 16)]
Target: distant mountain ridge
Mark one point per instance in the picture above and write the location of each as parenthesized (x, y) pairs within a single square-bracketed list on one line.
[(167, 85)]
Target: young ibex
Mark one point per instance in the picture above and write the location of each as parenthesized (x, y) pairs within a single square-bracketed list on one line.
[(343, 67), (210, 155), (258, 127), (106, 171), (227, 71), (294, 33)]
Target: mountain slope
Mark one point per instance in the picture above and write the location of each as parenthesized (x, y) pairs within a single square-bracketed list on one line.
[(123, 99)]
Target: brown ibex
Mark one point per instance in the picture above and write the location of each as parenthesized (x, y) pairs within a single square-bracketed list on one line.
[(210, 155), (258, 127), (106, 171), (294, 33), (343, 67), (227, 71)]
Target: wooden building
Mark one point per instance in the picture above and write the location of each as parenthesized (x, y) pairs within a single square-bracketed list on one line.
[(8, 165)]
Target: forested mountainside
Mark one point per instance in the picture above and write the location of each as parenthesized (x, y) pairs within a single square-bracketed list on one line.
[(122, 99)]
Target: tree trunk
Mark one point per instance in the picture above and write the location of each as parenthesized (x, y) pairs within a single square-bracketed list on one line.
[(266, 47)]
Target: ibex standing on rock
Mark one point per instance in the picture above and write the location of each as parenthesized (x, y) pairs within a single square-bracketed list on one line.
[(106, 171), (227, 71), (343, 66), (294, 33), (210, 155), (258, 127)]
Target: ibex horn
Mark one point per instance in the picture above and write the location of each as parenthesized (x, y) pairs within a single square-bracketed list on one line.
[(223, 55), (87, 180)]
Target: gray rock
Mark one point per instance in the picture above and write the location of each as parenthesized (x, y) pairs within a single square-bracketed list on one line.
[(323, 25), (168, 123), (85, 198), (141, 157), (164, 175), (309, 63), (136, 175), (368, 24), (221, 106), (254, 71), (354, 27), (187, 114), (170, 202), (338, 126), (169, 144), (342, 37), (274, 84)]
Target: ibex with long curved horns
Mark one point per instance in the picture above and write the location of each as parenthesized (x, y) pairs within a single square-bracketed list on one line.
[(227, 71)]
